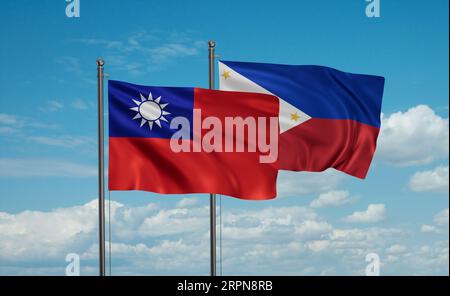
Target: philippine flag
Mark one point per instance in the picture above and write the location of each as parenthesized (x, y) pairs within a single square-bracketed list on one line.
[(328, 118), (176, 140)]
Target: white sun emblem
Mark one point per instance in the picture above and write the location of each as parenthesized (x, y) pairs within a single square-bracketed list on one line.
[(150, 111)]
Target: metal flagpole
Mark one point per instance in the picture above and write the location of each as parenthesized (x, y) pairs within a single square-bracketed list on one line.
[(212, 199), (101, 169)]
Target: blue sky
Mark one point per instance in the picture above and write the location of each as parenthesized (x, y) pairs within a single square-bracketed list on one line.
[(48, 135)]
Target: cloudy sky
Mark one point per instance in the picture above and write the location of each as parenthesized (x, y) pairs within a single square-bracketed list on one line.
[(320, 224)]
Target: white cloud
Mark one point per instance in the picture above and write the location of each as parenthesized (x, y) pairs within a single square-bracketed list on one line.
[(8, 119), (64, 141), (319, 245), (374, 213), (13, 125), (80, 104), (18, 121), (440, 221), (44, 167), (441, 218), (9, 124), (429, 229), (152, 239), (395, 249), (302, 183), (417, 136), (52, 106), (153, 51), (331, 199), (187, 202), (101, 42), (430, 257), (174, 222), (433, 181), (162, 53), (251, 225), (312, 228), (24, 129), (31, 234)]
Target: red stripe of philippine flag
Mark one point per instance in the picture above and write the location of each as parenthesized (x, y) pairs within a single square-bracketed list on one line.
[(176, 140)]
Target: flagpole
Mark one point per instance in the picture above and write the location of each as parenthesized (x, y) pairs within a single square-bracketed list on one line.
[(212, 196), (101, 170)]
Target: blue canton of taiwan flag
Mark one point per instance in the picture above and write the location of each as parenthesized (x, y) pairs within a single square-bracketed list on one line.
[(148, 107)]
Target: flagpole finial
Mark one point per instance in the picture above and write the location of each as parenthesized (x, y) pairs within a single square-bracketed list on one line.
[(100, 62), (211, 43)]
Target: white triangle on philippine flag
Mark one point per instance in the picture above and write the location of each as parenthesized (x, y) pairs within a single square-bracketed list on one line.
[(289, 115)]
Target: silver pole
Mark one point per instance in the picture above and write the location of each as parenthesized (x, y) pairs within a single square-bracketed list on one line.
[(101, 169), (212, 199)]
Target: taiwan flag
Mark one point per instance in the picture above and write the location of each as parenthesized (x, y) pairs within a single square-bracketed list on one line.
[(176, 140), (328, 118)]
